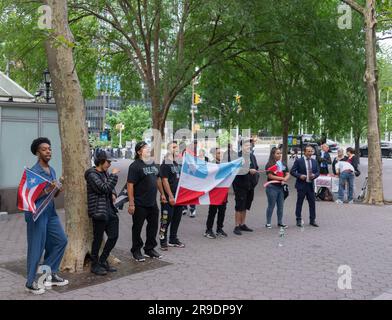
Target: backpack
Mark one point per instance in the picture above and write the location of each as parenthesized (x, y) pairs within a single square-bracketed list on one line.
[(324, 194)]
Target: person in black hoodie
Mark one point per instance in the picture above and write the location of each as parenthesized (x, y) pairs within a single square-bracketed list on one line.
[(100, 198)]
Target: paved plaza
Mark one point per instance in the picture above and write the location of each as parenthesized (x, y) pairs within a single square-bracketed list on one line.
[(251, 266)]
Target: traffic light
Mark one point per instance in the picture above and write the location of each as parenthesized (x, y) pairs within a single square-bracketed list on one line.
[(196, 99)]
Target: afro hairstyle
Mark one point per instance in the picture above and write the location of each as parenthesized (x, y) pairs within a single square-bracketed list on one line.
[(37, 142)]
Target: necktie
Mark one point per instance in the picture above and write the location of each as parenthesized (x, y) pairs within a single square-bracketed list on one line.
[(309, 171)]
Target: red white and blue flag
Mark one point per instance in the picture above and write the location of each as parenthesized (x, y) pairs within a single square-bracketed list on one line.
[(30, 187), (204, 183)]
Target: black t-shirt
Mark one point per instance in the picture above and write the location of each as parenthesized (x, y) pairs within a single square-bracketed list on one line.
[(280, 172), (170, 170), (247, 180), (144, 178)]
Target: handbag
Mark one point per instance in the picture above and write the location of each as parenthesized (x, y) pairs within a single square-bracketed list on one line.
[(357, 173), (285, 191)]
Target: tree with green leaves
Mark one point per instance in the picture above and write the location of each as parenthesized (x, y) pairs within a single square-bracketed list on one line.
[(168, 43), (367, 10), (136, 120), (22, 46)]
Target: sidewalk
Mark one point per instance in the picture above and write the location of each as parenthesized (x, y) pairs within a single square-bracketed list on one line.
[(252, 266)]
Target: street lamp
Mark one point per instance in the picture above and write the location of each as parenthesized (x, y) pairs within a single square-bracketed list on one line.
[(47, 81), (120, 127)]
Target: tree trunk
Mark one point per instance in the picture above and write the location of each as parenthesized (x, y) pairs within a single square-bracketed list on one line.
[(285, 124), (73, 134), (158, 124), (375, 193), (357, 140)]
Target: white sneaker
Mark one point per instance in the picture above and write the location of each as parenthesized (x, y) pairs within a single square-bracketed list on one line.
[(339, 201), (351, 202), (192, 214), (35, 289), (55, 280)]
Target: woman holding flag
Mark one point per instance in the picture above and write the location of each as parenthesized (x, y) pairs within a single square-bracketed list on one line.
[(277, 175), (36, 192)]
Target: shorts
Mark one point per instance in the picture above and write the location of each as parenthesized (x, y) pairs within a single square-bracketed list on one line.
[(243, 199)]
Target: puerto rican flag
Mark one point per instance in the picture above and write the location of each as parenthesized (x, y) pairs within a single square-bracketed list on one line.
[(204, 183), (30, 187)]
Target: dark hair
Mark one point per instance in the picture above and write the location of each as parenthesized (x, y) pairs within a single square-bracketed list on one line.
[(37, 142), (271, 160), (308, 146), (272, 155), (351, 150), (138, 147), (100, 157), (99, 162)]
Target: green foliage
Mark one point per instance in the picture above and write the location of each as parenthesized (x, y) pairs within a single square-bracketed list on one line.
[(136, 119), (288, 59), (96, 143), (23, 45)]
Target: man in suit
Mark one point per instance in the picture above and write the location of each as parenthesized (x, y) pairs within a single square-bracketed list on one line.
[(306, 170)]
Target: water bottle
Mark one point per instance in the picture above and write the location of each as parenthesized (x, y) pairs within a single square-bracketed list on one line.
[(281, 236)]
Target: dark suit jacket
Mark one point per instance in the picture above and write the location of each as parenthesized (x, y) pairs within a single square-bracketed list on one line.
[(299, 169)]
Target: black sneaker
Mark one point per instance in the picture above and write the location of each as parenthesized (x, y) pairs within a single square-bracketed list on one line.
[(210, 234), (152, 254), (98, 270), (221, 233), (164, 246), (176, 243), (34, 289), (283, 226), (137, 255), (237, 231), (244, 227), (108, 267)]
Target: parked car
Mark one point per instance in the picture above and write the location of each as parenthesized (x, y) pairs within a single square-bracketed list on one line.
[(386, 150), (333, 145), (294, 143)]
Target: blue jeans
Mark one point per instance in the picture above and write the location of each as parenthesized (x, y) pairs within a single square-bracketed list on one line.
[(46, 234), (275, 195), (349, 177)]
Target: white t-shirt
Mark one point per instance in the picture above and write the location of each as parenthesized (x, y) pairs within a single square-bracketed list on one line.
[(344, 165)]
